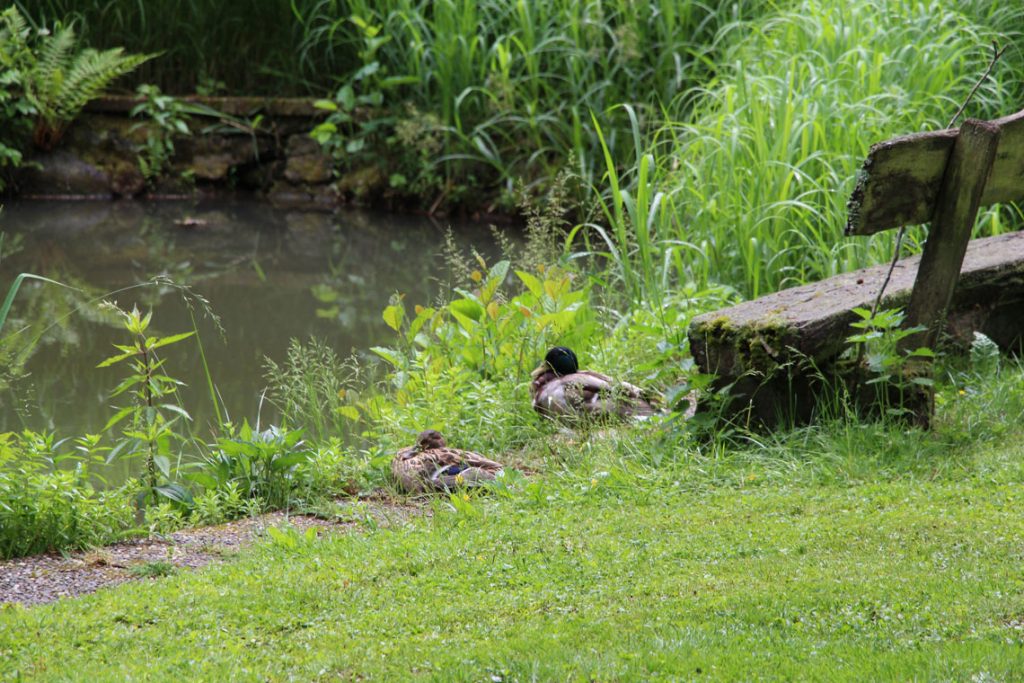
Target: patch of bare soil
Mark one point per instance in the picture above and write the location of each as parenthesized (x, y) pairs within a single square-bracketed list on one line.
[(51, 576)]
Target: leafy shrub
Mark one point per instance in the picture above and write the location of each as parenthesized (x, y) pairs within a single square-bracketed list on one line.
[(151, 415), (165, 518), (222, 504), (891, 371), (249, 464), (48, 500), (167, 117)]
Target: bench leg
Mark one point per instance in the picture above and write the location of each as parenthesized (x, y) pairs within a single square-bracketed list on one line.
[(955, 210)]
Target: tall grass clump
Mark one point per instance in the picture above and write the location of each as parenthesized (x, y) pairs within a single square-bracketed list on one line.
[(748, 185), (515, 84), (315, 388)]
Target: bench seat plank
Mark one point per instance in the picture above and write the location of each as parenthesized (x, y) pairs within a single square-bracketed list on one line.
[(756, 339)]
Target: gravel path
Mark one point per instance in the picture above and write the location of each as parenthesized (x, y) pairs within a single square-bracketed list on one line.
[(51, 576)]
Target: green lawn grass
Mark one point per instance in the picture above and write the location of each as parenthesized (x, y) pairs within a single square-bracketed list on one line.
[(746, 562)]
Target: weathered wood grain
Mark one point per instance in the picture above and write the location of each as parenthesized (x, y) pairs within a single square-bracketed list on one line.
[(900, 180), (966, 176)]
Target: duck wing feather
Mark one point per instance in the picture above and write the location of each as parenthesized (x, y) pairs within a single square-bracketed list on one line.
[(591, 393), (442, 468)]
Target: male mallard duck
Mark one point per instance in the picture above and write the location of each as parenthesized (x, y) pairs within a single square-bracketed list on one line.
[(431, 465), (560, 388)]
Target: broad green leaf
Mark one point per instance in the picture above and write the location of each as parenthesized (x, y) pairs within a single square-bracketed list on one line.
[(474, 355), (281, 538), (293, 437), (163, 464), (233, 447), (346, 97), (328, 313), (170, 340), (324, 294), (495, 277), (422, 316), (390, 355), (466, 322), (128, 445), (466, 294), (177, 409), (366, 70), (175, 492), (499, 270), (468, 308), (115, 359), (117, 417), (393, 316), (554, 288), (532, 283), (289, 460)]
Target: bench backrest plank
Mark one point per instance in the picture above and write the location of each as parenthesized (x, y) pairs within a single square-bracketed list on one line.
[(900, 180)]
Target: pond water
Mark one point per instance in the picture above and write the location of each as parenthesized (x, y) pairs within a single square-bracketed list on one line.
[(270, 275)]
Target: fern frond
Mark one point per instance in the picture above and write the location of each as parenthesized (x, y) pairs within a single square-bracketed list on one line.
[(47, 76), (14, 32), (87, 76), (14, 25), (53, 53)]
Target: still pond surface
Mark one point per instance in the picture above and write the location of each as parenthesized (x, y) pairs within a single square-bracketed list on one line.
[(270, 275)]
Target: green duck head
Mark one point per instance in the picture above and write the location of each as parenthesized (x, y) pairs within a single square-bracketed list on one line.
[(562, 361)]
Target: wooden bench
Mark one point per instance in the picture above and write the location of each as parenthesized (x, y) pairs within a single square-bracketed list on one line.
[(779, 352)]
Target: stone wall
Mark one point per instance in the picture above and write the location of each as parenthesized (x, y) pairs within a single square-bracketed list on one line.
[(99, 157)]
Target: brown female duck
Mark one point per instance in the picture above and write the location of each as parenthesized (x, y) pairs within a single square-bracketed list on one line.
[(561, 389), (431, 466)]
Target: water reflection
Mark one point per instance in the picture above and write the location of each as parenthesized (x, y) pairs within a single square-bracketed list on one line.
[(270, 275)]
